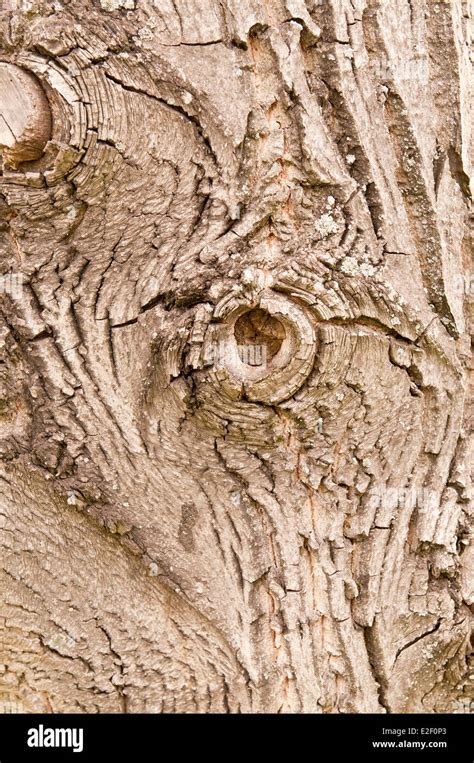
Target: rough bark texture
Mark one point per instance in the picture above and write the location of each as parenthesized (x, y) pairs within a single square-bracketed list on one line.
[(234, 380)]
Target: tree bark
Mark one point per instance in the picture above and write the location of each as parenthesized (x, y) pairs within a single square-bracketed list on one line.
[(235, 355)]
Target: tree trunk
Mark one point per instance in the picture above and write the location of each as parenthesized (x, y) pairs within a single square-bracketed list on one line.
[(234, 381)]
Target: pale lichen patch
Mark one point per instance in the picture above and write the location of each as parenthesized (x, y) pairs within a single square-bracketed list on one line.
[(115, 5), (350, 266), (326, 226)]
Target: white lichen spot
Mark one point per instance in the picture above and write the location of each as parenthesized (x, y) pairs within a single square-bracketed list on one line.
[(350, 158), (187, 97), (248, 276), (350, 266), (60, 642), (331, 201), (326, 226), (115, 5), (145, 34), (257, 278), (366, 269), (153, 569)]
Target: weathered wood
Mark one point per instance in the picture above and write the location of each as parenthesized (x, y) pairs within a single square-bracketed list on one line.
[(25, 118), (235, 404)]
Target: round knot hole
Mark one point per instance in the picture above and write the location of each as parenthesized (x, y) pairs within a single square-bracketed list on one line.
[(259, 337)]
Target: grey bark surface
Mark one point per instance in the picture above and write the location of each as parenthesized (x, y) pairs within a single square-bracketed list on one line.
[(186, 188)]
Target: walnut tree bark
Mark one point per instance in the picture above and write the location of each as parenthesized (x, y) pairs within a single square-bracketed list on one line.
[(235, 354)]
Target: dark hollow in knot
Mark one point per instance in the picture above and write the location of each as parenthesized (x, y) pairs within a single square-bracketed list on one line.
[(259, 336)]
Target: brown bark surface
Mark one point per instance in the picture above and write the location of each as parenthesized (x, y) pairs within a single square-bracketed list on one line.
[(235, 351)]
